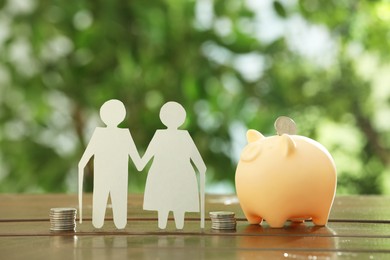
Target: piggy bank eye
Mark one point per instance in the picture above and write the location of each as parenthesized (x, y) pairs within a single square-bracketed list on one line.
[(250, 152)]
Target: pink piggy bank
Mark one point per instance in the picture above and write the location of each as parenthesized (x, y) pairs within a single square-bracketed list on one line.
[(285, 177)]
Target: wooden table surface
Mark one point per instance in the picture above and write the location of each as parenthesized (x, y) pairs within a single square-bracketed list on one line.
[(359, 228)]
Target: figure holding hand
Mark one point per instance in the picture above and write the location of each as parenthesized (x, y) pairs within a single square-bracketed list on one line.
[(171, 184), (111, 147)]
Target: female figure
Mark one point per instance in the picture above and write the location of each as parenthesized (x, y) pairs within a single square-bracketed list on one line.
[(171, 184)]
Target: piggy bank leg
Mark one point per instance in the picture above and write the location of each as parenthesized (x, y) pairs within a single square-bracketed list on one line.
[(252, 217), (275, 220), (320, 220)]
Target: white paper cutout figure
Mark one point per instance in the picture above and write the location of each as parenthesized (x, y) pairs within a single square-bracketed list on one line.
[(171, 184), (111, 147)]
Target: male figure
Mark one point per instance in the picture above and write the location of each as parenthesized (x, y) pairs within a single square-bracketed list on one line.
[(110, 147)]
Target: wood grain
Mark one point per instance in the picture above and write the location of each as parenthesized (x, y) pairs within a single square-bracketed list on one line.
[(359, 227)]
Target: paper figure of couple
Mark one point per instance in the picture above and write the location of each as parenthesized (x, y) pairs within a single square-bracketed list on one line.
[(171, 184)]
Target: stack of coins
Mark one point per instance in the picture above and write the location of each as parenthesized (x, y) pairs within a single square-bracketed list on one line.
[(63, 219), (223, 220)]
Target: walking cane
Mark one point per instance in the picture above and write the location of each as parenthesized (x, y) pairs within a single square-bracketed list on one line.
[(202, 198), (81, 175)]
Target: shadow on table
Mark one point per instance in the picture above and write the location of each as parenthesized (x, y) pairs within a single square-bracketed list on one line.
[(294, 240)]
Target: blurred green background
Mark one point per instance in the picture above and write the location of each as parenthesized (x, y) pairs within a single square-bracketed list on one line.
[(232, 64)]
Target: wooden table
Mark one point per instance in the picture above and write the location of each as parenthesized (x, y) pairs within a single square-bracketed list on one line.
[(359, 228)]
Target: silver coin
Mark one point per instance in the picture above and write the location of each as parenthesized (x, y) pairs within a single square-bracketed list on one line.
[(62, 214), (223, 221), (285, 125), (63, 217), (61, 230), (223, 228), (62, 220), (220, 227), (62, 210), (63, 226), (221, 214), (62, 223), (223, 217), (224, 225)]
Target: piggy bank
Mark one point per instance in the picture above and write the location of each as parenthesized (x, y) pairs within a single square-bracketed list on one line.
[(286, 177)]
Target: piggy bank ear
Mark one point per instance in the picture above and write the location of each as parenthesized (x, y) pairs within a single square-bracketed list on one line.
[(253, 136), (250, 152), (288, 144)]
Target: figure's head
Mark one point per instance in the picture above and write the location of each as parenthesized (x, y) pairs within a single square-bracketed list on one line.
[(172, 114), (112, 112)]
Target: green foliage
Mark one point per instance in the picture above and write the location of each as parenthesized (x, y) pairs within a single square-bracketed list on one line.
[(232, 64)]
